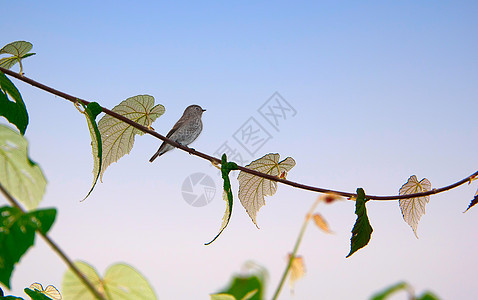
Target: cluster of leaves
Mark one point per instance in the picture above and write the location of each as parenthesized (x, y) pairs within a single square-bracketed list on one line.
[(23, 182), (112, 139)]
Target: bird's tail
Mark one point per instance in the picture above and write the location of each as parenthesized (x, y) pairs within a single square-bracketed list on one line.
[(158, 153)]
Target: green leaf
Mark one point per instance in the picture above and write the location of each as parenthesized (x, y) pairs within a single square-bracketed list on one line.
[(17, 235), (253, 189), (391, 290), (121, 281), (226, 168), (362, 230), (246, 287), (414, 208), (19, 50), (428, 296), (117, 136), (36, 295), (20, 176), (91, 112), (13, 110), (3, 297)]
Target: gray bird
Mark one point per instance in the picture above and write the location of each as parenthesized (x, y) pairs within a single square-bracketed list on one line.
[(185, 131)]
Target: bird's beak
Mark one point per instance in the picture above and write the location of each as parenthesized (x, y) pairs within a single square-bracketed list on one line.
[(203, 110)]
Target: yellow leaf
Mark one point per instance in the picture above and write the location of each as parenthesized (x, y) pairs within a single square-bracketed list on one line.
[(297, 270), (321, 223)]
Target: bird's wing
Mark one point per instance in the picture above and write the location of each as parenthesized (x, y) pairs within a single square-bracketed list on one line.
[(178, 124)]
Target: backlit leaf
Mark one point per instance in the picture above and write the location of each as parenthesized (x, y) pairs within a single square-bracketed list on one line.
[(20, 176), (121, 281), (19, 50), (50, 291), (17, 235), (362, 230), (253, 189), (12, 106), (117, 136), (414, 208)]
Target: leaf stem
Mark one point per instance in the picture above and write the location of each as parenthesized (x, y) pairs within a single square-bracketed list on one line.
[(56, 249), (296, 248), (216, 160)]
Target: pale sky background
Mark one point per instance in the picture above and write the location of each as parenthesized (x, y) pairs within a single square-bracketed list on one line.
[(382, 91)]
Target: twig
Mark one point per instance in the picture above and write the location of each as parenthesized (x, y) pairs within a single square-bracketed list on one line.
[(216, 160), (296, 248)]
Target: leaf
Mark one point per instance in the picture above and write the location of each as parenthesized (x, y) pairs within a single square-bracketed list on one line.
[(362, 230), (13, 110), (473, 202), (245, 287), (222, 297), (50, 291), (17, 234), (20, 176), (427, 296), (117, 136), (36, 295), (414, 208), (121, 281), (250, 294), (253, 189), (297, 270), (226, 168), (19, 51), (91, 112), (321, 223), (330, 197), (3, 297), (391, 290)]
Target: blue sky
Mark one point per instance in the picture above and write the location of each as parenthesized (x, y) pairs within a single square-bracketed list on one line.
[(382, 91)]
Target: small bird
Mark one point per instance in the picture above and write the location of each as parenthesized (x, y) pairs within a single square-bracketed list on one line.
[(185, 131)]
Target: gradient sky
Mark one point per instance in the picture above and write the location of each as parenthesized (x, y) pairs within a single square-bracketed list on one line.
[(382, 91)]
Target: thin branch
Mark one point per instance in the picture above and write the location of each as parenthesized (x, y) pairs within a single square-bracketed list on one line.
[(56, 249), (216, 160), (296, 248)]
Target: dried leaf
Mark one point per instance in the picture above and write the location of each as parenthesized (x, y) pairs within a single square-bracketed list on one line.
[(321, 223), (330, 197), (414, 208), (253, 189), (297, 270)]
